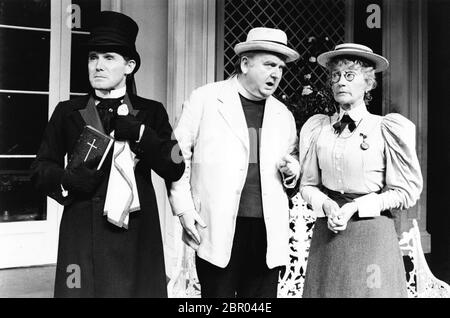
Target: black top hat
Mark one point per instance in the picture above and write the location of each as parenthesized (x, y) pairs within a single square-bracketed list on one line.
[(115, 32)]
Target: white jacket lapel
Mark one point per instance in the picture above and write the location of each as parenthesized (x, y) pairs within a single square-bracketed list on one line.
[(270, 130), (271, 112), (230, 107)]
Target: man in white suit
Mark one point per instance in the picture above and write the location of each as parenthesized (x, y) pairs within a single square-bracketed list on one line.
[(239, 142)]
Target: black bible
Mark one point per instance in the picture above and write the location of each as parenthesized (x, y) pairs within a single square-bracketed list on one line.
[(91, 148)]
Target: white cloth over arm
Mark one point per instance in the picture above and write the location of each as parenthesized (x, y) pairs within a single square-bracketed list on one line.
[(122, 196)]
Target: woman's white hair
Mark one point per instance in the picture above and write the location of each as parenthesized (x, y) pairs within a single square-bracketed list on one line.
[(366, 68)]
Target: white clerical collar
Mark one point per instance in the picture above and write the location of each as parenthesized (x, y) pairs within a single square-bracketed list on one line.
[(115, 93), (356, 113), (241, 90)]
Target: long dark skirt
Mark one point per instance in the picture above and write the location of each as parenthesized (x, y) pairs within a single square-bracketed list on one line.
[(362, 261)]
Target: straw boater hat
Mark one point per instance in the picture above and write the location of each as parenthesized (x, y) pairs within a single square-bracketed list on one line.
[(354, 50), (267, 39)]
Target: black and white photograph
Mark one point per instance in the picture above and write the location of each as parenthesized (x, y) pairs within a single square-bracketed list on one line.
[(242, 150)]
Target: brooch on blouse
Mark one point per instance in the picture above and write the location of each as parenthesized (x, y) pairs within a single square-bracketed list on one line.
[(364, 145)]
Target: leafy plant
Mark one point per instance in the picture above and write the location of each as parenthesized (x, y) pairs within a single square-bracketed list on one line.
[(314, 95), (310, 100)]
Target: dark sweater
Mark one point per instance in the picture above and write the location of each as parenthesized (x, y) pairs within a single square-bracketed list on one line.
[(250, 204)]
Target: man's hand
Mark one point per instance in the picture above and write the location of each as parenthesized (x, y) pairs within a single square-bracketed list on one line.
[(82, 179), (289, 166), (126, 127), (189, 220)]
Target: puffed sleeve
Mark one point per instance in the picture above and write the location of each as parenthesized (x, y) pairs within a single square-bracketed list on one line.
[(310, 172), (403, 175)]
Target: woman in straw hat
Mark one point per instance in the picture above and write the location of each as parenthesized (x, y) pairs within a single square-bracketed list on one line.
[(356, 167)]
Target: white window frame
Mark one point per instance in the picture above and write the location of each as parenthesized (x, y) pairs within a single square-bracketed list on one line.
[(31, 243)]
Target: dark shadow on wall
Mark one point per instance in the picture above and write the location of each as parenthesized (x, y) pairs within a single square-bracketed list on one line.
[(373, 38), (438, 209)]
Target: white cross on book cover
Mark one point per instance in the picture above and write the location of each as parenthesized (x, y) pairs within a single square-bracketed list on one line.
[(91, 148)]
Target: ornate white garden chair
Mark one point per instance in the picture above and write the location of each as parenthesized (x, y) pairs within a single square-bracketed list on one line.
[(421, 283)]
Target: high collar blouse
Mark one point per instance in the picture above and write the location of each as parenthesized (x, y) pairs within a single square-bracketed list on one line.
[(386, 174)]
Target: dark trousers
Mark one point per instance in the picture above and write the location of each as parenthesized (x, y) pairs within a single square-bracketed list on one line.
[(247, 274)]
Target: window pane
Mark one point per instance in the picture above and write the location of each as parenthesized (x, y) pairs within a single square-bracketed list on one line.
[(16, 163), (79, 78), (74, 96), (29, 13), (23, 118), (24, 65), (25, 59), (15, 185), (89, 9)]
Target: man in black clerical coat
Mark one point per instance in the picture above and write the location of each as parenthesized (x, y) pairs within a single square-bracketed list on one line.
[(97, 258)]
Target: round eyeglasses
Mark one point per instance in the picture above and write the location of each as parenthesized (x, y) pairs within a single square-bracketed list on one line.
[(336, 76)]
